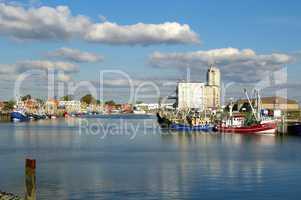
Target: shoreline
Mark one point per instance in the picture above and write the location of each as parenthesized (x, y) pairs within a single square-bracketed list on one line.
[(8, 196)]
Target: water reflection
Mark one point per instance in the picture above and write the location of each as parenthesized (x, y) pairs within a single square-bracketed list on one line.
[(218, 156)]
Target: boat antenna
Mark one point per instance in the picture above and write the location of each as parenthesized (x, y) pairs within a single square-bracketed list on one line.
[(259, 103), (231, 107), (253, 110), (159, 102)]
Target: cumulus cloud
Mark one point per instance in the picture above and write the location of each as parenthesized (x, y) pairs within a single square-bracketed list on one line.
[(7, 69), (37, 73), (23, 66), (144, 34), (40, 23), (46, 65), (47, 23), (75, 55), (237, 65), (63, 77)]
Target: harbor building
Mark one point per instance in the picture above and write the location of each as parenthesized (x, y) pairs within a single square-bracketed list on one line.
[(201, 96), (31, 105), (191, 96), (273, 103), (73, 106), (51, 106)]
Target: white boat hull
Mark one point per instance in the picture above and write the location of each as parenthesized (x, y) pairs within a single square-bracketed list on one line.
[(270, 131)]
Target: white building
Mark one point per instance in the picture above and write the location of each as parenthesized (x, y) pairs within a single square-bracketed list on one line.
[(153, 106), (147, 106), (213, 76), (201, 96), (191, 96), (70, 106)]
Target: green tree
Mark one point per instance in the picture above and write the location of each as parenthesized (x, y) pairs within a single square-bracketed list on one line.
[(67, 98), (9, 105), (40, 101), (26, 97), (111, 103), (88, 99), (139, 102)]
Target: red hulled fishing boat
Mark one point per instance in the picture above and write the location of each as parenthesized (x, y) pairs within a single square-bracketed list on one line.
[(263, 128), (240, 123)]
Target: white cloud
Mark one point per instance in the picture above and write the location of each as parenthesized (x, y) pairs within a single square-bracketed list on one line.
[(140, 33), (75, 55), (45, 65), (237, 65), (47, 23), (7, 69), (36, 78), (23, 66), (40, 23), (63, 77)]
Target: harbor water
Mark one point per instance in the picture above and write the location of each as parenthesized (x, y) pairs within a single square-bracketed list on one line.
[(130, 157)]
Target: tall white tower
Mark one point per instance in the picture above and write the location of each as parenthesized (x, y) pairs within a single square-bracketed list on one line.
[(212, 89), (213, 76)]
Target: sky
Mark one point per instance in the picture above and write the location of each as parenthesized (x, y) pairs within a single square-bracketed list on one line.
[(254, 43)]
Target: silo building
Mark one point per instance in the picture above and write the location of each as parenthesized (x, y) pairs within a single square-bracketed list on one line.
[(212, 94)]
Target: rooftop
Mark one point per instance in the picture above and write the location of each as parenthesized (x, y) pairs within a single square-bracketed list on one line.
[(272, 100)]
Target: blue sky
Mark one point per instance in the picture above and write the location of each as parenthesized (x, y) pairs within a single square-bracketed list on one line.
[(265, 27)]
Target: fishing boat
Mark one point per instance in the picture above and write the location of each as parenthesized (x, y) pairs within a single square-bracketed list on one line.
[(53, 116), (18, 115), (184, 121), (256, 123), (262, 128), (162, 120), (187, 117), (139, 112), (185, 127), (294, 128)]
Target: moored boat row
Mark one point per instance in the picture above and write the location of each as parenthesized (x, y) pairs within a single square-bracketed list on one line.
[(256, 122), (19, 115)]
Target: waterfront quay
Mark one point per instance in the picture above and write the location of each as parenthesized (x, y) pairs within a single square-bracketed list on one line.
[(285, 111), (67, 106), (5, 116)]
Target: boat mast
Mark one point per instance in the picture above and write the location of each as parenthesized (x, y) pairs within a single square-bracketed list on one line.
[(231, 107), (231, 111), (258, 104), (253, 110), (159, 103)]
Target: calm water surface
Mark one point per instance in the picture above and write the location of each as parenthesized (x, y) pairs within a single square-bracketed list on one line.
[(131, 158)]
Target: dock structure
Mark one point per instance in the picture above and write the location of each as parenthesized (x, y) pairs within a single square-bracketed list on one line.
[(5, 116), (8, 196), (30, 179), (30, 183)]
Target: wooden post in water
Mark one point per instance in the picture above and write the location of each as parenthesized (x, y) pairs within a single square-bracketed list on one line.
[(30, 179)]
